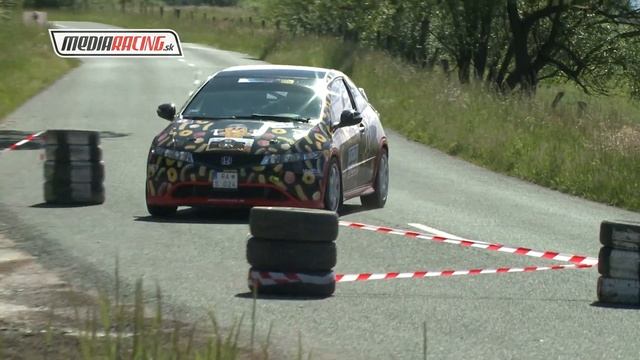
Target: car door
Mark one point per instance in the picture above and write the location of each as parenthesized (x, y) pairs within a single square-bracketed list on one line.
[(369, 146), (346, 139)]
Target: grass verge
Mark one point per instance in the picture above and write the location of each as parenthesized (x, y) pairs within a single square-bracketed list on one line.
[(586, 146), (27, 63), (111, 326)]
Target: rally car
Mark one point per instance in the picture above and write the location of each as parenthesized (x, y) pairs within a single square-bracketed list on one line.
[(269, 136)]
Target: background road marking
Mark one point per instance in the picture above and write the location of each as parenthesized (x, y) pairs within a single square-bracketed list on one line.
[(435, 231), (550, 255)]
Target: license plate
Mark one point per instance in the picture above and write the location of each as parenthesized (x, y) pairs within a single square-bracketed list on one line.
[(225, 180)]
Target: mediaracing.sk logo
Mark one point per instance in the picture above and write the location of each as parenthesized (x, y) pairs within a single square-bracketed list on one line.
[(115, 43)]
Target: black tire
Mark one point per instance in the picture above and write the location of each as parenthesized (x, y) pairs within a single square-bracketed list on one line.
[(378, 198), (74, 172), (619, 264), (289, 256), (73, 193), (161, 211), (72, 137), (293, 224), (624, 235), (604, 255), (333, 187), (618, 291), (325, 288), (68, 153)]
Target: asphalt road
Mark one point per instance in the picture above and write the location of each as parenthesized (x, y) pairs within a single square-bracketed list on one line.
[(199, 259)]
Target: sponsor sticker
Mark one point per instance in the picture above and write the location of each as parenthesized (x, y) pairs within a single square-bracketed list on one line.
[(115, 43)]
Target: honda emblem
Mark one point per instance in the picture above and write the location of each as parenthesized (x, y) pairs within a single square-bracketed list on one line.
[(226, 160)]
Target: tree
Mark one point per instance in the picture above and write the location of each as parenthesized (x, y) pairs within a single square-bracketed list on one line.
[(507, 44)]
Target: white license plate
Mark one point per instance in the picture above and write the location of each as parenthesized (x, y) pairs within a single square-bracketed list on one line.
[(225, 180)]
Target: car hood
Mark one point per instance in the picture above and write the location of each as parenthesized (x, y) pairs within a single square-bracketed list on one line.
[(243, 136)]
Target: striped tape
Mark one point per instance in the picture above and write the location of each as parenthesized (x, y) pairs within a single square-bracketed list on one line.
[(22, 142), (550, 255), (276, 278), (447, 273)]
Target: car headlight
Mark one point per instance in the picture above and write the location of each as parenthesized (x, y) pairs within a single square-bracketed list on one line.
[(287, 158), (174, 154)]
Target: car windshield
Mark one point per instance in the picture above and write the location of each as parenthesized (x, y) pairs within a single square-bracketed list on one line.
[(279, 98)]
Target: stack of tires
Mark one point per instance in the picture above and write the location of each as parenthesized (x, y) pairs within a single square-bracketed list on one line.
[(619, 263), (292, 251), (73, 170)]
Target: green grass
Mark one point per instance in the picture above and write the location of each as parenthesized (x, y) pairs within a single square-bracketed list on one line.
[(27, 63), (594, 154)]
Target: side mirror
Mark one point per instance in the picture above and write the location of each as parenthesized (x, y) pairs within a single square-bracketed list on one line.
[(364, 94), (166, 111), (349, 118)]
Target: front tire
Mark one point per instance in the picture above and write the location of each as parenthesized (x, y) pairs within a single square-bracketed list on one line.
[(378, 198), (161, 211), (333, 188)]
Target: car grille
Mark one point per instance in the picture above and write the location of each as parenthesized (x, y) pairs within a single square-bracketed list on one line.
[(207, 191), (215, 160)]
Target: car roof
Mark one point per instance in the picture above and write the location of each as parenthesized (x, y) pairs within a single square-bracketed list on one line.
[(305, 72)]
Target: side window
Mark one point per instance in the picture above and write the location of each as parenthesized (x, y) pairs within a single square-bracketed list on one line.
[(340, 100), (361, 102)]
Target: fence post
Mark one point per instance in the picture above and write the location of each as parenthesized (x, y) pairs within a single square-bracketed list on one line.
[(161, 11)]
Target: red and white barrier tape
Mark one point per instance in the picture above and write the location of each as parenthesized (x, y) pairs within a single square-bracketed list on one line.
[(446, 273), (276, 278), (22, 142), (267, 278), (551, 255)]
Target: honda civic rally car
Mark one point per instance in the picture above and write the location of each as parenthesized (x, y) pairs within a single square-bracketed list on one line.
[(270, 136)]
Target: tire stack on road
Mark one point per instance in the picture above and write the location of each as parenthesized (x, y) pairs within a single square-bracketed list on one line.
[(73, 170), (619, 263), (292, 251)]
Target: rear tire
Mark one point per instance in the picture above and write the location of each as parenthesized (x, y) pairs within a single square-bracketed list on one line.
[(378, 198), (333, 188)]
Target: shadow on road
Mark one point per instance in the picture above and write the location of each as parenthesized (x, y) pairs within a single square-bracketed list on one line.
[(202, 216), (615, 306), (349, 209), (56, 206), (221, 216), (249, 295)]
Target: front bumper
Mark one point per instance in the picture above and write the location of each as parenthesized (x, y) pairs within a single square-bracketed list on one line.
[(176, 183)]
